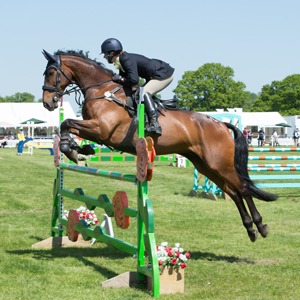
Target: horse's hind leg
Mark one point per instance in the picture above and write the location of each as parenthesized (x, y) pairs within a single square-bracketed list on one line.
[(256, 217), (246, 219), (225, 183)]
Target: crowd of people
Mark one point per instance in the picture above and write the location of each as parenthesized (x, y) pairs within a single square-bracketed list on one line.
[(261, 137)]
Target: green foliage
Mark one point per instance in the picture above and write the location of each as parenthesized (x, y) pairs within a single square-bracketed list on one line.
[(224, 264), (211, 87), (282, 96), (18, 97)]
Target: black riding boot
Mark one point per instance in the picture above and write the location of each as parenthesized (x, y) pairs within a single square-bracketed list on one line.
[(153, 125)]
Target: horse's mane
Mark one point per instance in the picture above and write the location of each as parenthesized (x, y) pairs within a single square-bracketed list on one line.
[(85, 56)]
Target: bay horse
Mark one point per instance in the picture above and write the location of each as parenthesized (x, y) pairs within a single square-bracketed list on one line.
[(107, 120)]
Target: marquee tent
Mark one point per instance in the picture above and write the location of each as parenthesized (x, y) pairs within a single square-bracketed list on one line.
[(256, 119), (262, 119), (16, 113)]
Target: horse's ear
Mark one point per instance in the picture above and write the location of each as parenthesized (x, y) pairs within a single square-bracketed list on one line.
[(49, 56)]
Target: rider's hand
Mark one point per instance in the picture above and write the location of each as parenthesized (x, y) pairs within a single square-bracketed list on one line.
[(117, 78)]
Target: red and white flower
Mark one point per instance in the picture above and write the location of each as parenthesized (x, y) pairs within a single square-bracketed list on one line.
[(85, 214), (172, 256)]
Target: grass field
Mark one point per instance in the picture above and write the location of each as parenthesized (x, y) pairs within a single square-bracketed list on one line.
[(224, 263)]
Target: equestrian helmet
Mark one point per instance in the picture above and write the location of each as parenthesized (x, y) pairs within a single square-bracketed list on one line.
[(111, 44)]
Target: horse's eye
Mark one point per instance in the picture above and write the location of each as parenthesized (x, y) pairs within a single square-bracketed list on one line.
[(50, 73)]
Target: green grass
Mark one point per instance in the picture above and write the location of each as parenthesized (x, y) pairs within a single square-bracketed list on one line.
[(224, 263)]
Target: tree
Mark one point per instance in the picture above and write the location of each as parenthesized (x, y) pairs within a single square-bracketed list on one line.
[(211, 87), (282, 96), (18, 97)]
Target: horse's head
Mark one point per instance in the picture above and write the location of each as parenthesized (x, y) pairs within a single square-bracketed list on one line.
[(56, 80)]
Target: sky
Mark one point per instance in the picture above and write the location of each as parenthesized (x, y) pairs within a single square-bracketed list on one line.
[(258, 39)]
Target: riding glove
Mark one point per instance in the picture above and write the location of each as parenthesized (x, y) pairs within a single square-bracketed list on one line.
[(117, 78)]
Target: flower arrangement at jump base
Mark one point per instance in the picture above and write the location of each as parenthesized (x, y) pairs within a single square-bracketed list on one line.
[(172, 263), (174, 257), (84, 214)]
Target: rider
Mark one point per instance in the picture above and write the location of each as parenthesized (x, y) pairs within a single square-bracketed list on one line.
[(158, 75)]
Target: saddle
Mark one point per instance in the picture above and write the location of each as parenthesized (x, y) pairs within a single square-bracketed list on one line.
[(133, 98)]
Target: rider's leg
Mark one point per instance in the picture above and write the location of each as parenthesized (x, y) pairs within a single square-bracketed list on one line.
[(152, 87), (153, 125)]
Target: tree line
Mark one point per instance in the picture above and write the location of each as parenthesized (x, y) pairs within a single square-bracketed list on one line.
[(19, 98), (212, 87)]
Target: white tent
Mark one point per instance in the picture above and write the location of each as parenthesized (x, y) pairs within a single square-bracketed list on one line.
[(15, 113), (255, 119), (261, 119)]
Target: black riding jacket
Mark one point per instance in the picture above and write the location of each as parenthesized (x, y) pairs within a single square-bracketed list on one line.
[(136, 65)]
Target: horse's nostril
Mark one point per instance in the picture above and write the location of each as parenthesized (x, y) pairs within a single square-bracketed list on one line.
[(46, 105)]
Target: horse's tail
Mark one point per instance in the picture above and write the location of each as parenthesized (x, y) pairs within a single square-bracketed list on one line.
[(241, 165)]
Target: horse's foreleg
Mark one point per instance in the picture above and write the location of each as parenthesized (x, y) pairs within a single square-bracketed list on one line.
[(81, 128), (68, 147)]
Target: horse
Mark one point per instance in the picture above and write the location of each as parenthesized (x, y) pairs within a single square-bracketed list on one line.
[(107, 120)]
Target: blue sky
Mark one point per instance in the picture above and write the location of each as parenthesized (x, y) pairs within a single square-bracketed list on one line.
[(258, 39)]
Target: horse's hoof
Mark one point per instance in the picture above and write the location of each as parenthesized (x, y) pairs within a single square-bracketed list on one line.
[(263, 230), (73, 156), (253, 234)]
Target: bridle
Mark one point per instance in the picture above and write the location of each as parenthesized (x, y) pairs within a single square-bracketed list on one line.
[(77, 89), (57, 88)]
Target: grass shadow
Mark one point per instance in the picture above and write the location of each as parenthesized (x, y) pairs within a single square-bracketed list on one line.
[(213, 257), (79, 253)]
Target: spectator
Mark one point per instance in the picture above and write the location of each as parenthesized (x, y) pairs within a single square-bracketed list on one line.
[(245, 134), (296, 136), (4, 142), (261, 137), (275, 138), (250, 135)]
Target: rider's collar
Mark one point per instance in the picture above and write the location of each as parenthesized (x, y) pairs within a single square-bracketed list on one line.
[(118, 65)]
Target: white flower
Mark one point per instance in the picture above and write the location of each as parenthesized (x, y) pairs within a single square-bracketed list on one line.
[(164, 244), (164, 258), (183, 257)]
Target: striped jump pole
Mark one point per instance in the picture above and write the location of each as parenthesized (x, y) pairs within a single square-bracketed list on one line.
[(275, 169), (294, 157), (262, 149), (268, 180)]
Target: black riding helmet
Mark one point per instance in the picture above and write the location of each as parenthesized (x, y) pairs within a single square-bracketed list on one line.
[(109, 45)]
